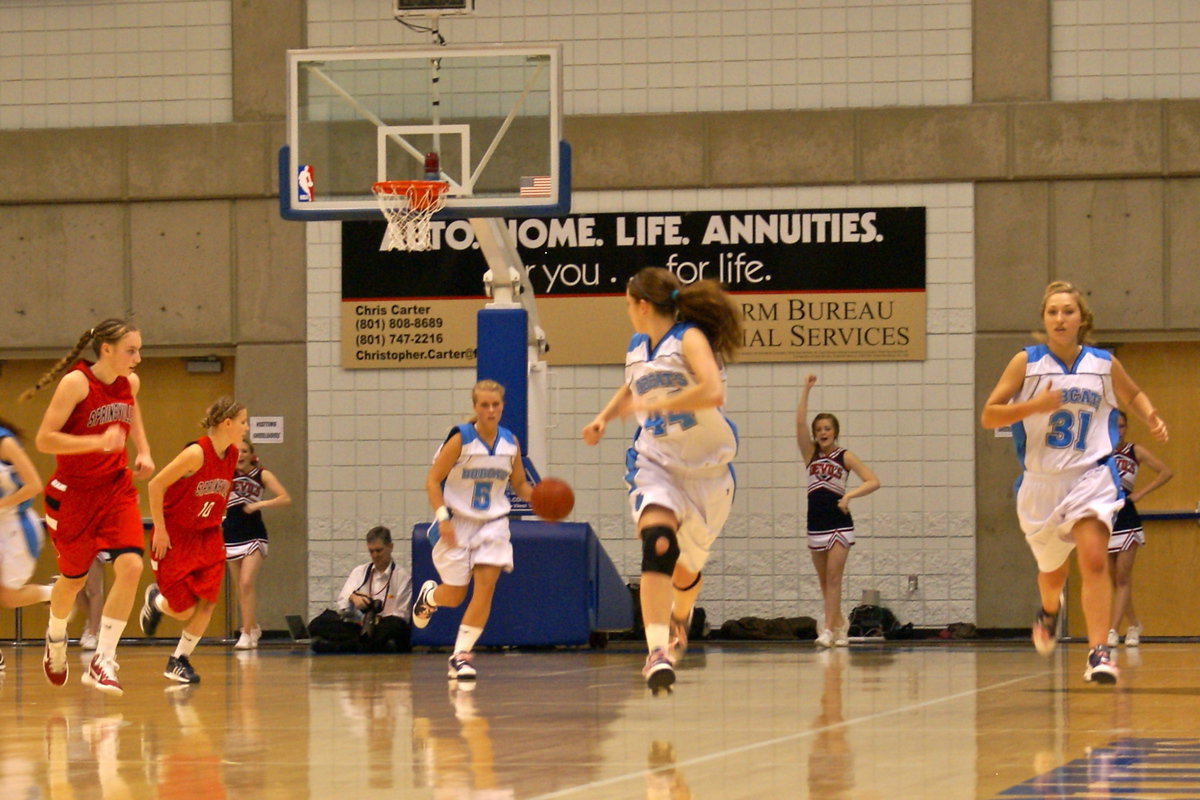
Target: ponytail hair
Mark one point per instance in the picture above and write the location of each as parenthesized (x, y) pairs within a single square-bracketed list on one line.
[(110, 331), (703, 303), (223, 409)]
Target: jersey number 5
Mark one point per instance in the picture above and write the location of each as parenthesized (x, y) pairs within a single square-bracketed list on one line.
[(481, 498), (1064, 432)]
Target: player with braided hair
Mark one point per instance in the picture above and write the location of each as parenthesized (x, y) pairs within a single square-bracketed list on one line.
[(680, 472), (91, 503)]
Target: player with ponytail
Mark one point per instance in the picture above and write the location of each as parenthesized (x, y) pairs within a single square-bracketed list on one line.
[(680, 472), (91, 503)]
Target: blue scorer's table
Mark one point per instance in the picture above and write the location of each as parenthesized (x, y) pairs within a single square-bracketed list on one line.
[(562, 588)]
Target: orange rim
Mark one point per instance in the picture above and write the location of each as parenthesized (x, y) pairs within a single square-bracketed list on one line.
[(421, 194)]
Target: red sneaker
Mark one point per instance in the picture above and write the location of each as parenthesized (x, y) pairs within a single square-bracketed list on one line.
[(54, 662), (102, 675)]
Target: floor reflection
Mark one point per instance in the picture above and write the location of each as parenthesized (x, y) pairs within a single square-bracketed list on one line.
[(752, 721)]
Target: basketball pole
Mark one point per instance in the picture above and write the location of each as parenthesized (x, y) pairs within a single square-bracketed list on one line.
[(510, 340)]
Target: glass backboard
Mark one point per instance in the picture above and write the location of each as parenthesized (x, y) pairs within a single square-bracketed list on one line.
[(492, 114)]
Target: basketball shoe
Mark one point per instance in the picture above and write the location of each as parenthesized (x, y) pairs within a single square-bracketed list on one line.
[(1101, 668), (1133, 636), (102, 675), (825, 639), (1045, 632), (423, 609), (659, 671), (841, 637), (150, 616), (1113, 638), (679, 638), (461, 667), (54, 662), (180, 670), (248, 640)]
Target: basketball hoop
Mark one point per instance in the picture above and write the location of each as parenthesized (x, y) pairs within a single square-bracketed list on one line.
[(409, 207)]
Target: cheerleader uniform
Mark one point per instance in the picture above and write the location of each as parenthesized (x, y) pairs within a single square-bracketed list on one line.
[(244, 533), (827, 524), (1127, 528)]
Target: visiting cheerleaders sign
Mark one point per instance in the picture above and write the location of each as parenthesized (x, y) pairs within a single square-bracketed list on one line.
[(812, 285)]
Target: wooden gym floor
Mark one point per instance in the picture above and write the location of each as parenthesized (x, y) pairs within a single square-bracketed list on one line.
[(939, 720)]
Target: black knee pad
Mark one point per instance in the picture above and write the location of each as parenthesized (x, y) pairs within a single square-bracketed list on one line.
[(651, 560)]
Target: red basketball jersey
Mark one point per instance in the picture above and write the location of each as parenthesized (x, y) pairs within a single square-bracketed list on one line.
[(194, 506), (104, 405)]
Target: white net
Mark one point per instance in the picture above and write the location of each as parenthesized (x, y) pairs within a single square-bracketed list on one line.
[(409, 207)]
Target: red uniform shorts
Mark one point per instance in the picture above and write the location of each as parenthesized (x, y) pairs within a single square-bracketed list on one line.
[(85, 519), (186, 574)]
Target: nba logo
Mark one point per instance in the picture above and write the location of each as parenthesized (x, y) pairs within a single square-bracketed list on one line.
[(304, 182)]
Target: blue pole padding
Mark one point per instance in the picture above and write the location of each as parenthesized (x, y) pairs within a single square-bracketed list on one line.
[(500, 342)]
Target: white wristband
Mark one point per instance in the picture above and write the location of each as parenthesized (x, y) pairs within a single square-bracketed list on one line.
[(442, 514)]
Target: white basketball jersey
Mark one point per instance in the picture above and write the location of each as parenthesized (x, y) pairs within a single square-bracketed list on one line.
[(23, 518), (476, 483), (1080, 433), (679, 439)]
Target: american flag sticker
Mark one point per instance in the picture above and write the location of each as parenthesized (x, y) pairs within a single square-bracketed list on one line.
[(535, 186)]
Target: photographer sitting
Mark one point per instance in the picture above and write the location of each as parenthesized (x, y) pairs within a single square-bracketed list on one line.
[(373, 608)]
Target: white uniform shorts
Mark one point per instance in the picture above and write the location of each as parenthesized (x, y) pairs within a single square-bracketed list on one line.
[(701, 504), (478, 541), (21, 539), (1050, 505)]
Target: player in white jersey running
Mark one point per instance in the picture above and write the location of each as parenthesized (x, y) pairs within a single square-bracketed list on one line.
[(21, 532), (466, 485), (679, 470), (1060, 400), (1128, 536)]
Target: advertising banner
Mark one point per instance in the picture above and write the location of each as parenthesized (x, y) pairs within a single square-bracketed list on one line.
[(812, 285)]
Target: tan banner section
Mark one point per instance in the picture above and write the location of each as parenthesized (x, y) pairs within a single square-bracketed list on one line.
[(840, 326), (381, 334), (837, 326)]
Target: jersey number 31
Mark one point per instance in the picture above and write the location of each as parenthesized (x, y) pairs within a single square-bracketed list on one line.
[(1064, 432)]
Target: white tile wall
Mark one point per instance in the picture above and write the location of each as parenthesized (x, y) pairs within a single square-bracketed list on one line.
[(1125, 49), (913, 423), (704, 55), (72, 64)]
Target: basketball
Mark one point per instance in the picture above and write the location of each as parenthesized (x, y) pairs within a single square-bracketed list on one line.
[(552, 499)]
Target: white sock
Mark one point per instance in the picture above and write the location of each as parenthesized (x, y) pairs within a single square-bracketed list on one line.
[(110, 634), (57, 629), (161, 603), (657, 636), (467, 636), (187, 643)]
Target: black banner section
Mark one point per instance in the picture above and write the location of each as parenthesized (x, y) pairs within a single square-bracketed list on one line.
[(759, 252)]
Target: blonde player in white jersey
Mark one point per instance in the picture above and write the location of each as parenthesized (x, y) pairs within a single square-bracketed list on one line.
[(679, 469), (466, 485), (1060, 400)]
